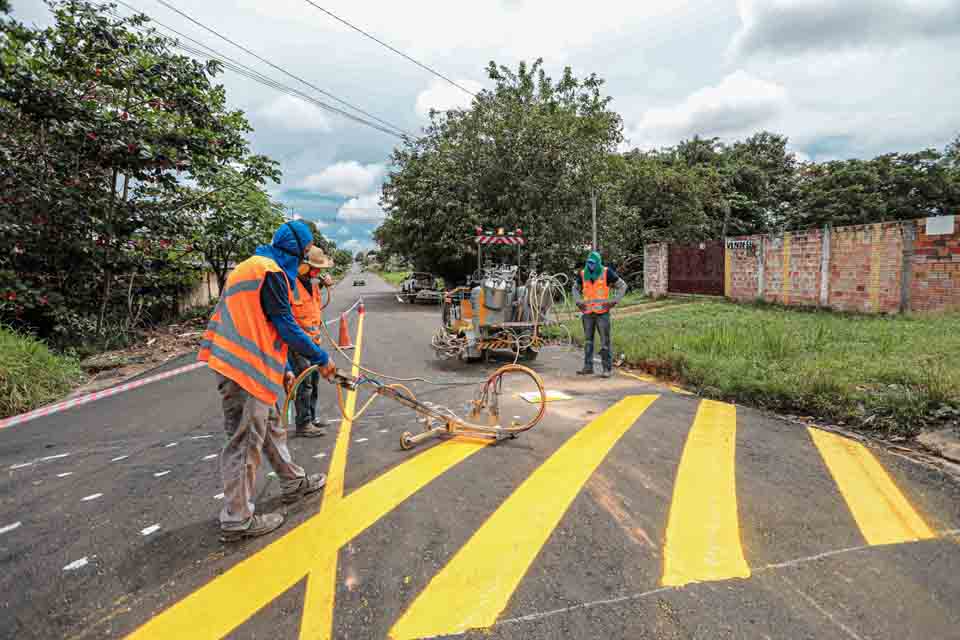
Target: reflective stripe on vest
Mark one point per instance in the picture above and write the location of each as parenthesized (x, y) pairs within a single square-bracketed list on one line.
[(595, 293), (240, 343), (306, 309)]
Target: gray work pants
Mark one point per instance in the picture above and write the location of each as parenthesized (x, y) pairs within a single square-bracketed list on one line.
[(307, 393), (251, 426), (599, 322)]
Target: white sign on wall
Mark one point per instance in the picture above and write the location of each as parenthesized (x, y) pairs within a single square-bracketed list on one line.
[(939, 226)]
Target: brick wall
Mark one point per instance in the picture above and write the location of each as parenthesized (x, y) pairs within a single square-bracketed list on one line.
[(935, 269), (655, 258), (860, 268)]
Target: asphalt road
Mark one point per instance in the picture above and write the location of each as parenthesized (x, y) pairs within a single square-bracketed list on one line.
[(631, 511)]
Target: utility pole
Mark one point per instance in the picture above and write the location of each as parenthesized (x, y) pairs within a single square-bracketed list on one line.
[(593, 207)]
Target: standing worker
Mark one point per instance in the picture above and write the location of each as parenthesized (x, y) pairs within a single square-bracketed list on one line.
[(308, 312), (246, 344), (591, 293)]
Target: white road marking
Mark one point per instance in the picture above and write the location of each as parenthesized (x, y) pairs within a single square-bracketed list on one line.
[(56, 457), (320, 455), (172, 444), (21, 465), (119, 458), (361, 439), (10, 527), (151, 529), (211, 456), (159, 474), (219, 496), (272, 474), (200, 437), (333, 420), (65, 474), (77, 564), (92, 496), (384, 430)]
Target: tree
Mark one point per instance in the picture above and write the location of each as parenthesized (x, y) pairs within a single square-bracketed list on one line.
[(524, 155), (100, 122), (234, 219)]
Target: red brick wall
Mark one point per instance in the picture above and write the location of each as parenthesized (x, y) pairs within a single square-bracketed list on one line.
[(744, 265), (935, 270), (655, 261), (865, 264)]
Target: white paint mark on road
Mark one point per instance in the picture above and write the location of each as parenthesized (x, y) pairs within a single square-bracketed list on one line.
[(119, 458), (320, 455), (92, 496), (56, 457), (219, 496), (272, 474), (77, 564), (160, 474), (210, 457), (65, 474), (172, 444), (22, 465), (384, 430), (10, 527), (333, 420), (151, 529), (200, 437), (829, 616), (361, 439)]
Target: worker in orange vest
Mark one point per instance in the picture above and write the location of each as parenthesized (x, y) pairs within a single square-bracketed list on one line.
[(246, 345), (591, 293), (308, 313)]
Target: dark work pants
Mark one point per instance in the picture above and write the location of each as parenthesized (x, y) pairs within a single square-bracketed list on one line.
[(307, 394), (601, 323)]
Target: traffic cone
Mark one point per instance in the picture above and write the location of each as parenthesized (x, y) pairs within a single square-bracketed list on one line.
[(343, 341)]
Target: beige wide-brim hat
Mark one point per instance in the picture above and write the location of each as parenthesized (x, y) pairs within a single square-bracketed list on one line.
[(317, 259)]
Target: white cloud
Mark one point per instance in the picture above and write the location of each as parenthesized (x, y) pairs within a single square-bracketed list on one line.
[(365, 208), (343, 231), (797, 26), (739, 103), (443, 96), (346, 178), (293, 114), (352, 245)]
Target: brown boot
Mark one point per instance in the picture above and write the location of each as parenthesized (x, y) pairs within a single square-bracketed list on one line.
[(260, 525), (308, 485), (310, 431)]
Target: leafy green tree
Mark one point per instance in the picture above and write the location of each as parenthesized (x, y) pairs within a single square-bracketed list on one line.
[(100, 124), (526, 154)]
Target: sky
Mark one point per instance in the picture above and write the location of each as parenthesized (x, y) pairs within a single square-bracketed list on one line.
[(840, 78)]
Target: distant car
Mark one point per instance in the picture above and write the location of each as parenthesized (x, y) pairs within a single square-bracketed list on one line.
[(359, 282), (420, 287)]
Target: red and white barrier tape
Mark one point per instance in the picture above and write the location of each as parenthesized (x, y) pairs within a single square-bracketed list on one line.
[(96, 395)]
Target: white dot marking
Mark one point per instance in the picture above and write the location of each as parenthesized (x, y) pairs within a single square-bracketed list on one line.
[(92, 496)]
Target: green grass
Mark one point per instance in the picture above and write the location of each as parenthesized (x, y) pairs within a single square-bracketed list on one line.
[(892, 374), (30, 374), (394, 277)]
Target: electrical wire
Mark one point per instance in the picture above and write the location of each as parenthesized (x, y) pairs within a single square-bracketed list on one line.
[(395, 50), (394, 130)]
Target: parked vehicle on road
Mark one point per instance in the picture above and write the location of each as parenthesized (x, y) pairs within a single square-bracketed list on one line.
[(420, 287)]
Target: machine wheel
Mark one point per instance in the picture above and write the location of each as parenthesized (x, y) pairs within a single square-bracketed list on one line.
[(405, 443), (529, 355)]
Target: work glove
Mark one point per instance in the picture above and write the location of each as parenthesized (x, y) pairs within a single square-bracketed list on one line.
[(328, 370), (288, 379), (327, 280)]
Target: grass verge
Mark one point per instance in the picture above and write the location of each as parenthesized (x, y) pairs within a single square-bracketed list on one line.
[(394, 277), (30, 374), (890, 374)]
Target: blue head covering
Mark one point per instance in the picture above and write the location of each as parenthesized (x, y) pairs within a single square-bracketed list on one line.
[(287, 247)]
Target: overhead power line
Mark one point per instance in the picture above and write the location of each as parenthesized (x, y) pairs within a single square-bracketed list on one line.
[(246, 50), (382, 43)]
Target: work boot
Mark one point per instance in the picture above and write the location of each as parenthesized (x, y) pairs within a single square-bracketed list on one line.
[(606, 373), (308, 485), (310, 431), (586, 371), (260, 525)]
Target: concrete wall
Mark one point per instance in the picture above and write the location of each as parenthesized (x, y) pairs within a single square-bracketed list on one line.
[(887, 267), (655, 269)]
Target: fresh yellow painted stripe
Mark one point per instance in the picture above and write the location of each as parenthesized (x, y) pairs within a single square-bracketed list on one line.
[(475, 586), (321, 593), (642, 377), (333, 492), (882, 512), (703, 532)]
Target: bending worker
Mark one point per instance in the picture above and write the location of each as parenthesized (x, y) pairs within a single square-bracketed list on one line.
[(591, 293), (246, 344), (308, 312)]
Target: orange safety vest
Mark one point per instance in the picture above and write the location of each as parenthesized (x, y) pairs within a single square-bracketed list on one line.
[(595, 292), (240, 343), (306, 310)]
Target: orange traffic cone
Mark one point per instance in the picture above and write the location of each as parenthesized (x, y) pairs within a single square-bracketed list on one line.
[(343, 341)]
